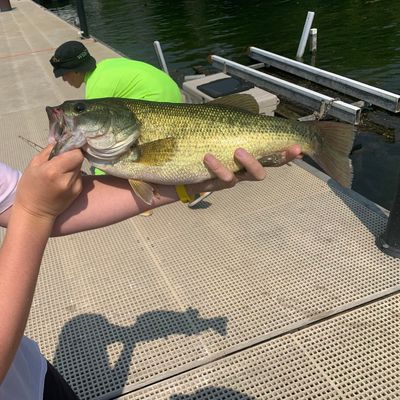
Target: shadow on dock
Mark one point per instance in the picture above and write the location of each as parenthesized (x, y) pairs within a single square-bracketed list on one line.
[(213, 393), (82, 351)]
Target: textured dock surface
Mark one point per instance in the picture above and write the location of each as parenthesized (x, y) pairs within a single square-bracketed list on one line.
[(271, 290)]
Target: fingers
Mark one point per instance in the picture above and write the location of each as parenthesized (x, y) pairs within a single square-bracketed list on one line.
[(72, 159), (64, 162), (218, 169), (68, 161), (293, 152), (42, 156), (48, 187), (61, 172), (254, 169), (281, 158)]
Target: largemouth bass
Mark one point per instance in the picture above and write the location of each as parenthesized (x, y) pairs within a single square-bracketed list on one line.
[(164, 143)]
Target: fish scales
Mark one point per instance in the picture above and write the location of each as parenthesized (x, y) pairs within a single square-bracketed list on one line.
[(166, 143), (204, 130)]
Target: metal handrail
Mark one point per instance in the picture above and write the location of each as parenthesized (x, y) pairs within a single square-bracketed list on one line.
[(373, 95), (338, 109)]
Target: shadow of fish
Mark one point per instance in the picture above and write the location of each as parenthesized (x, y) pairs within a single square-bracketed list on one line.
[(164, 143)]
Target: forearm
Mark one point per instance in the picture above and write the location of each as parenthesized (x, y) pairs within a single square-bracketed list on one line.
[(20, 258), (106, 200)]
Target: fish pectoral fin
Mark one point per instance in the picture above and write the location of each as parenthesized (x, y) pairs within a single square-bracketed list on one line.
[(241, 101), (143, 190), (158, 152)]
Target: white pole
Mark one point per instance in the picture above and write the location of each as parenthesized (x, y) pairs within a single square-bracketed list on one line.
[(304, 36), (161, 60), (313, 40)]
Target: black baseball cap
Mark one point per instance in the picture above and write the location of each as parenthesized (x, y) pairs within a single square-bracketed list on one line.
[(72, 56)]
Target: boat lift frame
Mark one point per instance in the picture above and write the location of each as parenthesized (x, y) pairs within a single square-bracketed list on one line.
[(314, 100), (370, 94)]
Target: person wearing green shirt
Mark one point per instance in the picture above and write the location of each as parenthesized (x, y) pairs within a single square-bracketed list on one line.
[(121, 77), (113, 77)]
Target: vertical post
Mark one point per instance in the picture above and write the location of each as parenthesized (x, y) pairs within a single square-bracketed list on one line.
[(313, 40), (160, 56), (389, 241), (304, 36), (82, 19), (313, 45), (5, 5)]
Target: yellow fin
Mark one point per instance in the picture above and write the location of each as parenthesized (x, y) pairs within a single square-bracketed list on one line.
[(241, 101), (157, 152), (143, 190)]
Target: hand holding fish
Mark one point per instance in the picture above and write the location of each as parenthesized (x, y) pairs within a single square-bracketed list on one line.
[(47, 188), (253, 170), (106, 200)]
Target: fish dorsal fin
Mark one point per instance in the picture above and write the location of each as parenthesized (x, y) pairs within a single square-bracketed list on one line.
[(143, 190), (242, 101), (158, 152)]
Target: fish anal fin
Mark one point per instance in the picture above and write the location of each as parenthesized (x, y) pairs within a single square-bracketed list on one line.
[(142, 189), (241, 101), (158, 152)]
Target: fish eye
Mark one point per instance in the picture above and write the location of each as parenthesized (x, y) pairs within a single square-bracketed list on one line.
[(80, 107)]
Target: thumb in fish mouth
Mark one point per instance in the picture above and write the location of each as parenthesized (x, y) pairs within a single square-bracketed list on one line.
[(54, 151)]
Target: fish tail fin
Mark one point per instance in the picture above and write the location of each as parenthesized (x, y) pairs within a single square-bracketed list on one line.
[(333, 154)]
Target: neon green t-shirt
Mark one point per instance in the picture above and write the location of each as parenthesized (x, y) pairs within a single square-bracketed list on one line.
[(121, 77)]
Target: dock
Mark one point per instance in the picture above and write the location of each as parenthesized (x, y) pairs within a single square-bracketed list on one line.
[(270, 290)]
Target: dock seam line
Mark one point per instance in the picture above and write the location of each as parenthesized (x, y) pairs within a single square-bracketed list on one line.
[(290, 329)]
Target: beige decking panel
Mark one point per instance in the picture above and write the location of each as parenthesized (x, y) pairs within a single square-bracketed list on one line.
[(308, 257), (351, 356), (246, 278), (359, 351), (276, 370), (185, 286), (117, 298)]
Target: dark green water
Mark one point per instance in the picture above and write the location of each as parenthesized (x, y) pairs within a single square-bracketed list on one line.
[(358, 39)]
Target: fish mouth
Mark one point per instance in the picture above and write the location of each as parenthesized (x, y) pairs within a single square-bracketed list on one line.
[(74, 125), (57, 125), (62, 132)]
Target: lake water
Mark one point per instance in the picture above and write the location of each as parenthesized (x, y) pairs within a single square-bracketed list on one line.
[(358, 39)]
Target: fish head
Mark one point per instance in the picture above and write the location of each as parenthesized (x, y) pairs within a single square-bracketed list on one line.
[(98, 125)]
